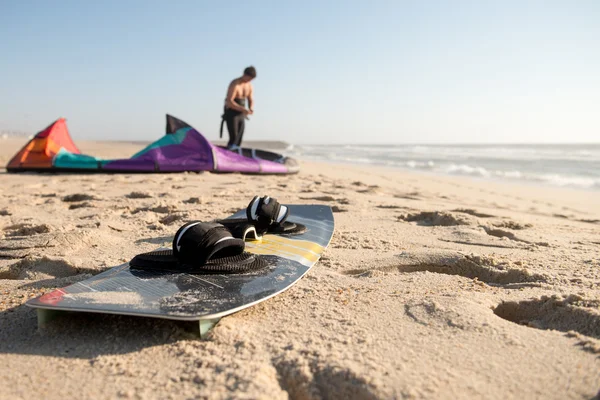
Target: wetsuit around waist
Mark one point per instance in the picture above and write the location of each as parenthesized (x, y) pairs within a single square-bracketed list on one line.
[(236, 122)]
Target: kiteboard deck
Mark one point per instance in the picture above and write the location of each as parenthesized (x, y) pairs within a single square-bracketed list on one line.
[(199, 297)]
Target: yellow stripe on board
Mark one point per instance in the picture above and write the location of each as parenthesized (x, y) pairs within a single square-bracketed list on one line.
[(303, 244), (283, 252), (282, 246)]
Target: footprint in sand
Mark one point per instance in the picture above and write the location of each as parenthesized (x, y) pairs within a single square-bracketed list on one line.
[(565, 314), (36, 267), (486, 269), (445, 218), (436, 218), (457, 313), (302, 376), (476, 236), (500, 233)]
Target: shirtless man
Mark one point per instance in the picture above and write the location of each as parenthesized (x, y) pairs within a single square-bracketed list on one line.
[(236, 112)]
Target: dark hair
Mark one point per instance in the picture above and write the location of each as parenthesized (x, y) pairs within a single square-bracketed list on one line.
[(250, 71)]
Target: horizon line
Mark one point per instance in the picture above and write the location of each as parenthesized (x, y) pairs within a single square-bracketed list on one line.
[(21, 135)]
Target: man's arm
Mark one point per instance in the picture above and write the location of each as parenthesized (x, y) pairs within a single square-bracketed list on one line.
[(231, 97), (251, 99)]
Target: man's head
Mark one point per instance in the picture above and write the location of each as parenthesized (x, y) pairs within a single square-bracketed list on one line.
[(249, 74)]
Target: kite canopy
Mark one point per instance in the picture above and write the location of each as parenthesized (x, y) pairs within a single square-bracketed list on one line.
[(40, 151), (181, 149)]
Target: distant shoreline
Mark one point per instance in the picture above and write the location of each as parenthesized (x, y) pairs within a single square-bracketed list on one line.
[(262, 144), (279, 144)]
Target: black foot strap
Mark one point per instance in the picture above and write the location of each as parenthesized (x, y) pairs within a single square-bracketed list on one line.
[(265, 212), (266, 215), (201, 247)]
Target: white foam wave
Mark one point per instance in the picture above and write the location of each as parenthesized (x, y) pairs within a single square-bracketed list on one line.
[(570, 181), (455, 153), (569, 166), (464, 169)]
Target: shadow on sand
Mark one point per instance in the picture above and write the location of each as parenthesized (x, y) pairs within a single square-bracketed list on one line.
[(86, 335)]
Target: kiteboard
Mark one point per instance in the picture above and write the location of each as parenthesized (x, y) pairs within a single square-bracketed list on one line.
[(263, 155), (258, 154), (199, 297)]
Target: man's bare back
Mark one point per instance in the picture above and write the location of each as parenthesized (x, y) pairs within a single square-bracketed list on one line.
[(235, 112), (240, 89)]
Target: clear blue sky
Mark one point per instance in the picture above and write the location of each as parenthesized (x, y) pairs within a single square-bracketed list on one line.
[(328, 72)]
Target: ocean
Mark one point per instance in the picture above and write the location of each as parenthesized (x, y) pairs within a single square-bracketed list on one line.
[(565, 165)]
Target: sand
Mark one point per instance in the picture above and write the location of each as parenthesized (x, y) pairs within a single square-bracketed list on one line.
[(432, 287)]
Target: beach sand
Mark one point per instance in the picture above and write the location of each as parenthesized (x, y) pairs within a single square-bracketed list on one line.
[(432, 287)]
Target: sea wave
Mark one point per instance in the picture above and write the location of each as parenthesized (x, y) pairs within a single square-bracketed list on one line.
[(579, 153), (575, 166), (570, 181), (552, 179)]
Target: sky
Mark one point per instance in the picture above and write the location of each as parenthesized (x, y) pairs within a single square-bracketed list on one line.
[(386, 72)]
